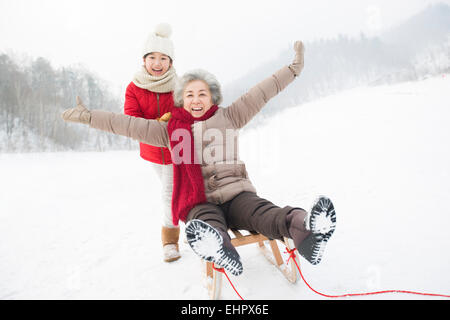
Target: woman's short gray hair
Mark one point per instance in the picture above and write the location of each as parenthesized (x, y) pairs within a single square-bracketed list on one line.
[(197, 74)]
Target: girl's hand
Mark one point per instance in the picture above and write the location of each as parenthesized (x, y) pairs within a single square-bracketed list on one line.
[(166, 117)]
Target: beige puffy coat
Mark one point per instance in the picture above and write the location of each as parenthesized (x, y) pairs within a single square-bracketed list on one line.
[(215, 140)]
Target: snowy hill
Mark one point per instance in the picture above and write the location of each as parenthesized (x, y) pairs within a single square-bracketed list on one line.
[(86, 225), (418, 46)]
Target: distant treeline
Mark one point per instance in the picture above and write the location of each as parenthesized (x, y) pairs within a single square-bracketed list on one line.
[(415, 49), (33, 94), (343, 63), (32, 97)]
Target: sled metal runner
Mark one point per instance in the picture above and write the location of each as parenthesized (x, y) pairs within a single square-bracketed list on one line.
[(270, 250)]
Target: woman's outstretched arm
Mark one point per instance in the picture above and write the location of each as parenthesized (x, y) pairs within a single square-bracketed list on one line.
[(151, 132), (247, 106)]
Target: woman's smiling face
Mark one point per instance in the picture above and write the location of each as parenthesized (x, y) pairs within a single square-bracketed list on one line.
[(197, 98), (157, 63)]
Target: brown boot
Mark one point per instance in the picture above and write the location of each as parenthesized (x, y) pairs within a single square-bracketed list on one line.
[(169, 237), (295, 222)]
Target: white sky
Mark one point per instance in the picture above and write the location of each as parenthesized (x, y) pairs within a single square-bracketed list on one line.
[(228, 37)]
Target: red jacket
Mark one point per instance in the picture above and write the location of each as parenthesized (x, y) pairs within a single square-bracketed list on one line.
[(149, 105)]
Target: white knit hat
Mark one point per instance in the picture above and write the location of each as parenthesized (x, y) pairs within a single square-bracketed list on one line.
[(159, 41)]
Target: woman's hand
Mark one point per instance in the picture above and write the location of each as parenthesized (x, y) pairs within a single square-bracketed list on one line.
[(78, 114), (298, 63)]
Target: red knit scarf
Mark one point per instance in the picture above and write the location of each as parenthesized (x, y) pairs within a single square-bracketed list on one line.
[(188, 185)]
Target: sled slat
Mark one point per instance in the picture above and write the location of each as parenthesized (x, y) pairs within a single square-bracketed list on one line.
[(276, 252), (209, 269), (273, 255), (243, 240)]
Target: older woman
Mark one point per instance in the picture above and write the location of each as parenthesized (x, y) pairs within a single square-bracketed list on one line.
[(211, 191)]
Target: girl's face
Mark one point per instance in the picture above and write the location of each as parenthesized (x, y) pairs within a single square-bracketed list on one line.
[(197, 98), (157, 63)]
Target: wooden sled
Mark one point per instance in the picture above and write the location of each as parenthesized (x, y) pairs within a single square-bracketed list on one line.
[(214, 278)]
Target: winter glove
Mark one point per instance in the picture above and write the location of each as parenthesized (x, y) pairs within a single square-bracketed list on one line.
[(298, 63), (166, 117), (78, 114)]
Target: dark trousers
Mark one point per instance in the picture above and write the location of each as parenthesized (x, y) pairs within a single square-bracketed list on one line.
[(246, 211)]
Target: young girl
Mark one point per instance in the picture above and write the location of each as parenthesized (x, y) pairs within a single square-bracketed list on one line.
[(149, 96)]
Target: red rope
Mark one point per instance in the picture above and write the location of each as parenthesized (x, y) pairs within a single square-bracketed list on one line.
[(222, 270), (292, 256)]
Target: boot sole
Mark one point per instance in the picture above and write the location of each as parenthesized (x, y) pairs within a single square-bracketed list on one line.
[(207, 243), (322, 223)]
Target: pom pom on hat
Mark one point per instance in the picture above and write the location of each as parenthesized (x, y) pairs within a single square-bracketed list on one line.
[(159, 41), (163, 30)]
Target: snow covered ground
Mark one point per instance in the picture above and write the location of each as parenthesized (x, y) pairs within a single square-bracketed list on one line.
[(86, 225)]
